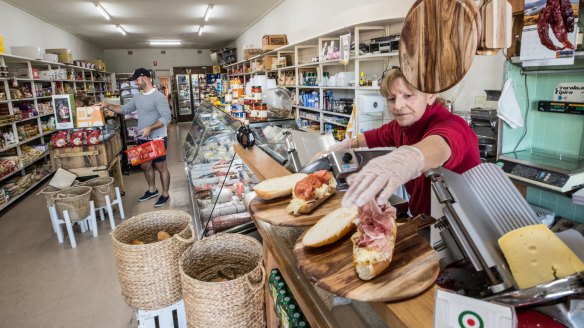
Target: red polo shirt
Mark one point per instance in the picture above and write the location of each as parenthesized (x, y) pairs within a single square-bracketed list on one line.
[(437, 120)]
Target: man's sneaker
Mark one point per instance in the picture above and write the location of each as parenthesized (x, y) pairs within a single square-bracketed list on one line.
[(147, 195), (162, 201)]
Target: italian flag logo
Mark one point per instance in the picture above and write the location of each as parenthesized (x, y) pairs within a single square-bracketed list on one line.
[(470, 319)]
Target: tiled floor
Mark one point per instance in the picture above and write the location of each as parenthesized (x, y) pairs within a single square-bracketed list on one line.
[(46, 284)]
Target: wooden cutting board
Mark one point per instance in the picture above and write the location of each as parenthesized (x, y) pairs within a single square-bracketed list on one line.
[(498, 24), (414, 268), (274, 211), (438, 43)]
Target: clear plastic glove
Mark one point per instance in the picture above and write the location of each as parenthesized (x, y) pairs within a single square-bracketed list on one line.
[(345, 144), (383, 175)]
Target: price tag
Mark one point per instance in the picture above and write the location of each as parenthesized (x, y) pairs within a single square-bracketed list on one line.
[(457, 311)]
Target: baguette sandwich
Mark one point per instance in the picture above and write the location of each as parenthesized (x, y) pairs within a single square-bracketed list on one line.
[(330, 227), (374, 241), (311, 191), (278, 187)]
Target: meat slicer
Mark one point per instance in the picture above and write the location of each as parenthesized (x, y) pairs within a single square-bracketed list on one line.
[(474, 210)]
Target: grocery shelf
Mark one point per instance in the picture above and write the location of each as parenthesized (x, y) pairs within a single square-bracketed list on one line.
[(307, 87), (23, 99), (29, 139), (375, 56), (335, 123), (26, 191), (7, 124), (309, 65), (338, 88), (47, 114), (44, 97), (287, 68), (369, 88), (335, 114), (8, 148), (308, 108), (28, 119), (24, 167), (4, 101), (48, 132), (308, 118)]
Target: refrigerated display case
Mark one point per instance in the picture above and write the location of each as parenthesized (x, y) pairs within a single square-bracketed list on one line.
[(185, 105), (219, 182)]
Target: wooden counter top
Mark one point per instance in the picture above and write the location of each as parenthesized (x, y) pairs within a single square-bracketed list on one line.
[(414, 312)]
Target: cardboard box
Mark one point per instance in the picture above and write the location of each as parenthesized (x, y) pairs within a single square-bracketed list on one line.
[(274, 41), (50, 58), (64, 55), (88, 117), (268, 62), (27, 51), (251, 52)]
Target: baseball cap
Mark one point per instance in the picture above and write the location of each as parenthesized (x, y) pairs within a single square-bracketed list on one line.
[(139, 72)]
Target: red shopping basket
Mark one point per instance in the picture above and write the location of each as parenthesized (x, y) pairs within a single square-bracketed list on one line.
[(146, 152)]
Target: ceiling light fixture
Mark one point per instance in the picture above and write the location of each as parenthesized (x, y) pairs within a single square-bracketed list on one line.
[(120, 29), (201, 28), (165, 43), (208, 12), (102, 11)]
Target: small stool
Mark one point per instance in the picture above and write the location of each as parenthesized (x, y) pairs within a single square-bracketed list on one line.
[(88, 223), (109, 208)]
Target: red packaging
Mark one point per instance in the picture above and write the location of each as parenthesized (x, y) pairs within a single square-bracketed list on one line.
[(60, 139), (92, 137), (77, 138)]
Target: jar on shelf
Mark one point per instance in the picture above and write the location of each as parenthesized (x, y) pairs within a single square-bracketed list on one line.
[(255, 110), (263, 111), (256, 92)]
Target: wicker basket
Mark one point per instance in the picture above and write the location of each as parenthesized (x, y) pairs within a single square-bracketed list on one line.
[(149, 274), (100, 187), (210, 302), (48, 192), (75, 200)]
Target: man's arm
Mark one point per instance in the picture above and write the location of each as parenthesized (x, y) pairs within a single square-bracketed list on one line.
[(127, 109), (147, 131)]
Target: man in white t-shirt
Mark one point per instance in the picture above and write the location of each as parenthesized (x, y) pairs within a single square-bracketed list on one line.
[(153, 119)]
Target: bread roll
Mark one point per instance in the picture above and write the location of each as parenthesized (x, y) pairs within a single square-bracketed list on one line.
[(369, 263), (277, 187), (300, 206), (136, 242), (330, 227), (163, 235)]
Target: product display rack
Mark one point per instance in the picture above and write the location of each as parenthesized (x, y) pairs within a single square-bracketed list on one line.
[(300, 55)]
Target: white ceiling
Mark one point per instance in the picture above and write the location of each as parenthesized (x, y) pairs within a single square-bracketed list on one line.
[(146, 20)]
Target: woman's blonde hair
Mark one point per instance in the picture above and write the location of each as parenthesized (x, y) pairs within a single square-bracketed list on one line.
[(390, 79)]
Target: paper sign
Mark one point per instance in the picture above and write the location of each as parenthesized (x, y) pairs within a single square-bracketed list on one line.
[(457, 311), (345, 48), (573, 91), (64, 109), (90, 116)]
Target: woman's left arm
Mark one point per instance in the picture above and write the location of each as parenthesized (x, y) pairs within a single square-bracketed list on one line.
[(436, 151)]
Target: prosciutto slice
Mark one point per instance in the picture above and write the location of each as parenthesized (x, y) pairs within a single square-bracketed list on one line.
[(377, 224)]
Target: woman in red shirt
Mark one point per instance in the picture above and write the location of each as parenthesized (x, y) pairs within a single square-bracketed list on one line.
[(427, 136)]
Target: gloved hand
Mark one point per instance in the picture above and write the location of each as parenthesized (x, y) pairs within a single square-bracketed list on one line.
[(383, 175), (345, 144)]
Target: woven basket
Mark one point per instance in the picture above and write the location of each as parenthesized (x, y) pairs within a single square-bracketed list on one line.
[(75, 200), (210, 302), (149, 274), (100, 187), (48, 193)]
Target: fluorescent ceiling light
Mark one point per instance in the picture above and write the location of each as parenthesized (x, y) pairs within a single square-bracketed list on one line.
[(102, 11), (208, 12), (201, 28), (120, 29), (165, 43)]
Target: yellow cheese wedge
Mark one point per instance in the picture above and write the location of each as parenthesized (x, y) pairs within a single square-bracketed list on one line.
[(536, 255)]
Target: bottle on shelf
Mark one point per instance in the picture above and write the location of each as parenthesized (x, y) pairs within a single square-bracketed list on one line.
[(282, 293), (362, 79)]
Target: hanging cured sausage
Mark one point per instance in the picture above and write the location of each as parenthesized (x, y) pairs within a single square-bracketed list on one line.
[(559, 15)]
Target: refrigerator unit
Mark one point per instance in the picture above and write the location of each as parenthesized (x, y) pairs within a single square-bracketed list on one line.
[(184, 98)]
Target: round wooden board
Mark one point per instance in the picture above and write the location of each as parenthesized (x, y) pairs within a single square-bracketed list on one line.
[(274, 211), (438, 43), (413, 269)]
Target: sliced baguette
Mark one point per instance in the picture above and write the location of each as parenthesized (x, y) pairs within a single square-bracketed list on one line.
[(330, 227), (300, 206), (369, 263), (278, 187)]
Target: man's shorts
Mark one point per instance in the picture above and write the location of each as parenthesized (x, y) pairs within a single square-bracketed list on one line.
[(159, 159)]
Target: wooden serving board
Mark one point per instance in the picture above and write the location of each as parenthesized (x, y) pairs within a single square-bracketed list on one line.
[(413, 269), (438, 42), (274, 211)]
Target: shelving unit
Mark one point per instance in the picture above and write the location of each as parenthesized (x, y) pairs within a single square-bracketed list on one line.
[(32, 93), (300, 58)]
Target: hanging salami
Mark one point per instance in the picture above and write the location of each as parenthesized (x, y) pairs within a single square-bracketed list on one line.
[(559, 15)]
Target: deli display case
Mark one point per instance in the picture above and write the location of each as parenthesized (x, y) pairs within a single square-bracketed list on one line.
[(219, 182)]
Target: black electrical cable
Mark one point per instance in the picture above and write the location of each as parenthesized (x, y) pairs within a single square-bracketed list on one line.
[(526, 113)]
